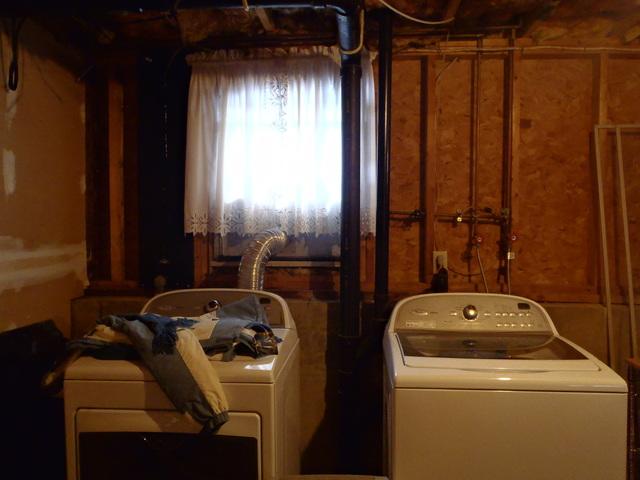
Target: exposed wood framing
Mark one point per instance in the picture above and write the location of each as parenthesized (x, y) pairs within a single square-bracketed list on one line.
[(265, 19), (601, 85), (600, 117), (130, 177), (97, 177), (452, 8), (424, 125), (201, 259), (116, 178), (430, 127), (515, 144)]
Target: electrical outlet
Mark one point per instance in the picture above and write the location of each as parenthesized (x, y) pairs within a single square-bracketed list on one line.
[(439, 260)]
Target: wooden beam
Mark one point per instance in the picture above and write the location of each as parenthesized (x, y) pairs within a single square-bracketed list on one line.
[(116, 178), (543, 11), (631, 34), (201, 259), (600, 89), (515, 138), (600, 116), (97, 176), (265, 19), (130, 174), (424, 257), (430, 153), (452, 8)]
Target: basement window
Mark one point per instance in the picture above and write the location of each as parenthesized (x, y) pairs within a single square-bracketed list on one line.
[(264, 150)]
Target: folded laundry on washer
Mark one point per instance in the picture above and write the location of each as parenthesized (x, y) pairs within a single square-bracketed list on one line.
[(174, 351)]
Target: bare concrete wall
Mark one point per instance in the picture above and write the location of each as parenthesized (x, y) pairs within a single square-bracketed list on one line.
[(42, 235)]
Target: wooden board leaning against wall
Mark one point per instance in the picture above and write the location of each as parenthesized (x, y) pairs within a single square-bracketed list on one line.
[(557, 98)]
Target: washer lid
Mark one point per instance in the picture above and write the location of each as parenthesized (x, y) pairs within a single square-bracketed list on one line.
[(514, 351), (487, 345)]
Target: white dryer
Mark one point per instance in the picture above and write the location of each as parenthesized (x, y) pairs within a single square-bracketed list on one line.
[(120, 424), (482, 387)]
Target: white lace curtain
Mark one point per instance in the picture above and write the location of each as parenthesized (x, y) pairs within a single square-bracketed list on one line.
[(264, 143)]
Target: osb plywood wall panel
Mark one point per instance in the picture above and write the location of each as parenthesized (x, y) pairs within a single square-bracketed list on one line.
[(42, 248), (555, 196), (490, 164), (556, 222), (405, 241), (623, 108), (453, 126), (453, 123)]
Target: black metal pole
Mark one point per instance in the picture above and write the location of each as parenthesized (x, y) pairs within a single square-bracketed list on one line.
[(350, 329), (384, 162), (350, 239)]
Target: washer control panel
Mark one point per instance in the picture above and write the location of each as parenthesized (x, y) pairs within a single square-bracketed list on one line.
[(476, 312)]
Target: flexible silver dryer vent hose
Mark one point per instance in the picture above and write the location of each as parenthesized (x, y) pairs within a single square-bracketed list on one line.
[(254, 259)]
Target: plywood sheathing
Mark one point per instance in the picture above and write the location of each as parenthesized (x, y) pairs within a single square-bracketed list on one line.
[(556, 248), (624, 89), (197, 25), (490, 166), (453, 122), (588, 22), (555, 209), (405, 242)]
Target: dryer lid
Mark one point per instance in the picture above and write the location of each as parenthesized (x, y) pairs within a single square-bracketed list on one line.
[(487, 345)]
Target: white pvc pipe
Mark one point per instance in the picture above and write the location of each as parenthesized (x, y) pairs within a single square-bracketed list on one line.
[(603, 234), (627, 245), (605, 249)]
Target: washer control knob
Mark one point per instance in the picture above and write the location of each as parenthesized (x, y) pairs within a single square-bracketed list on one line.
[(470, 312)]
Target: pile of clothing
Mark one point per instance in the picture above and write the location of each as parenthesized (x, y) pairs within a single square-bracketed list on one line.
[(176, 349)]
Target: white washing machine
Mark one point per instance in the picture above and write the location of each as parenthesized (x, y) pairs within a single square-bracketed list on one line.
[(482, 387), (120, 424)]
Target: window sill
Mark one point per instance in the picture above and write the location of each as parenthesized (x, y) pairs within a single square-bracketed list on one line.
[(283, 263)]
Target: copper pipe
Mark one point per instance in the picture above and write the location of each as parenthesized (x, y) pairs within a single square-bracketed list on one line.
[(475, 136), (507, 159)]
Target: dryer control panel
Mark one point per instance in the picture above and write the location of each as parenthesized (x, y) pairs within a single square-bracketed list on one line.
[(470, 312)]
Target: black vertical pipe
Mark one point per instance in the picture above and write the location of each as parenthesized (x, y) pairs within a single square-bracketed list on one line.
[(384, 162), (350, 326), (350, 73)]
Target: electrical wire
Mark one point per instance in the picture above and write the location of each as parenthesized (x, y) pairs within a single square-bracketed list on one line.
[(14, 72), (484, 278), (444, 69), (417, 20), (474, 274), (361, 43)]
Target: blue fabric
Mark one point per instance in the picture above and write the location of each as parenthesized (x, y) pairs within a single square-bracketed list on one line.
[(164, 329), (242, 328), (167, 365)]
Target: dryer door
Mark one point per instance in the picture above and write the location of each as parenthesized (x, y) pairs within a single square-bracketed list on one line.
[(161, 444)]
